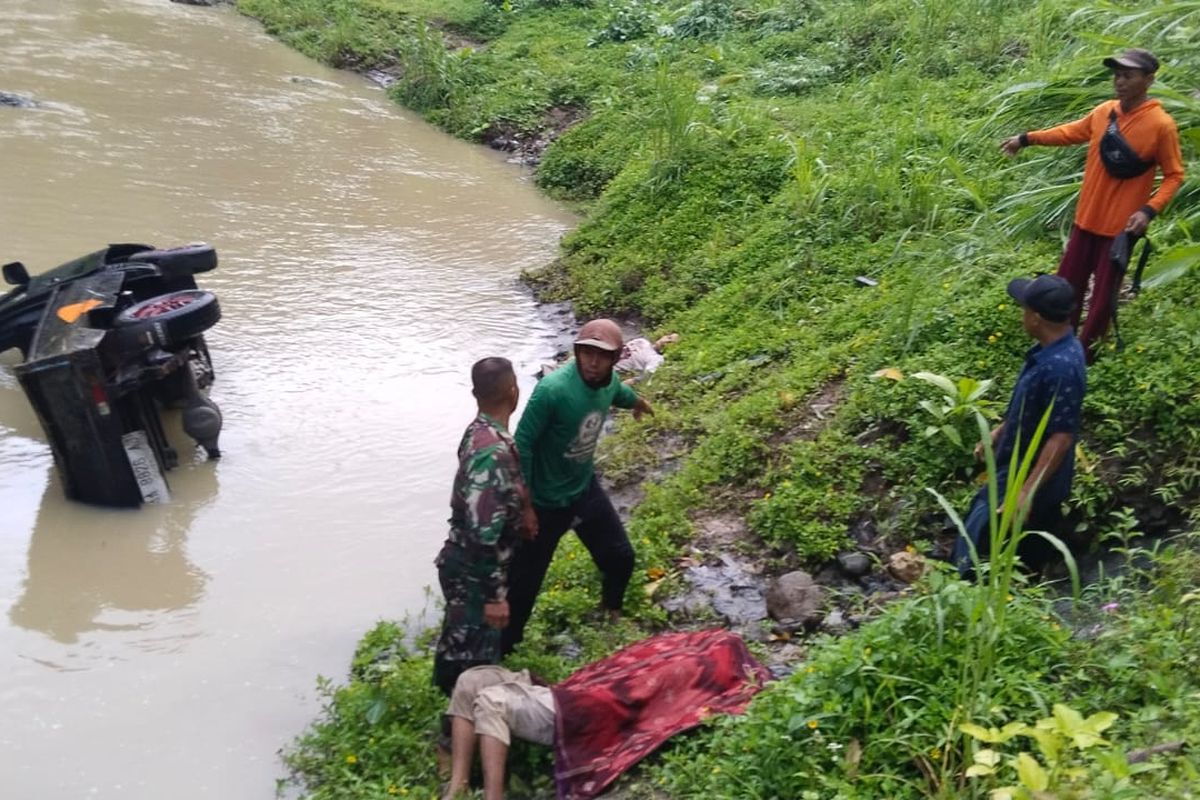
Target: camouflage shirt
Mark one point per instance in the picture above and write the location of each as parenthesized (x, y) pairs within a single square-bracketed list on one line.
[(486, 507)]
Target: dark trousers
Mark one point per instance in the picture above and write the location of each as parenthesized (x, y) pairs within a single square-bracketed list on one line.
[(597, 525), (1087, 255), (1034, 551)]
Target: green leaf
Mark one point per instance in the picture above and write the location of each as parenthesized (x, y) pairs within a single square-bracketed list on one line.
[(979, 732), (376, 710), (979, 770), (952, 434), (987, 757), (940, 381), (1031, 773), (981, 388)]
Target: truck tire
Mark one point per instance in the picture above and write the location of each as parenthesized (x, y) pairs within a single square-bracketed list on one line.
[(171, 319), (178, 262)]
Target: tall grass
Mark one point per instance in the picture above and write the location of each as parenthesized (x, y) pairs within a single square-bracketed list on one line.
[(988, 609)]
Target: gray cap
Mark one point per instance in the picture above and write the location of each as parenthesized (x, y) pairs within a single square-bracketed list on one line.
[(1049, 295), (1134, 58)]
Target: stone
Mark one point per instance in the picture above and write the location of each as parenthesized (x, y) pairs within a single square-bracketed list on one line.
[(835, 623), (795, 597), (906, 566), (15, 101), (730, 589), (854, 564)]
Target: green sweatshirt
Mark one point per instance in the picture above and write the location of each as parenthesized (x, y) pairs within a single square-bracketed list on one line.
[(559, 428)]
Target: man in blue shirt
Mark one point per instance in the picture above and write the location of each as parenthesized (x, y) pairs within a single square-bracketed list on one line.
[(1054, 377)]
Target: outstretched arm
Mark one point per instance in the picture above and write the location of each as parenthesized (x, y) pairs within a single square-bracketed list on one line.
[(1076, 132)]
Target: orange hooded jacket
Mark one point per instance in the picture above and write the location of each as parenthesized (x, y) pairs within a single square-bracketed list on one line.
[(1106, 203)]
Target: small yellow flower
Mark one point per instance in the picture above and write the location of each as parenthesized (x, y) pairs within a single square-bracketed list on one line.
[(998, 334), (393, 790), (813, 724), (766, 495), (352, 759), (935, 754), (946, 285), (866, 651), (991, 340), (1141, 348), (1056, 626), (1009, 598), (810, 670), (1002, 306), (909, 548)]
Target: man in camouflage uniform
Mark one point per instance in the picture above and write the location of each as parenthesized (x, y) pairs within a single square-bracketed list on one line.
[(489, 510)]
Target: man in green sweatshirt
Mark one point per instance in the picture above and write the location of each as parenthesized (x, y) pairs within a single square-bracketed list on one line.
[(556, 440)]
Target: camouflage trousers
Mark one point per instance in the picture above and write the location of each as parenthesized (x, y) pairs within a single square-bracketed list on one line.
[(466, 640)]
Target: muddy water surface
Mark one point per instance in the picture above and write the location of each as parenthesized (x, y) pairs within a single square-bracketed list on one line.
[(366, 261)]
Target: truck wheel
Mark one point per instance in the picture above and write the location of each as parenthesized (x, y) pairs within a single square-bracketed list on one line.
[(178, 262), (171, 319)]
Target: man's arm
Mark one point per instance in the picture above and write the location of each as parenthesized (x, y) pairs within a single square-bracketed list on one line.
[(490, 499), (1049, 459), (626, 397), (1076, 132), (980, 453), (1170, 161)]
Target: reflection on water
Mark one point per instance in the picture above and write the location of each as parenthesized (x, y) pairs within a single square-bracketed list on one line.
[(365, 262), (118, 575)]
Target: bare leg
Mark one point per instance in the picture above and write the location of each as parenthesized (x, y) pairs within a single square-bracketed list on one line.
[(493, 753), (462, 750)]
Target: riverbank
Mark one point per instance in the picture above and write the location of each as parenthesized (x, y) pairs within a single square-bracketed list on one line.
[(810, 195)]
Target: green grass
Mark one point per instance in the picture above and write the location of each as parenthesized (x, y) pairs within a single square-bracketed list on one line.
[(740, 164)]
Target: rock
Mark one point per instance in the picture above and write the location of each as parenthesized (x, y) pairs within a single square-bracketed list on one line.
[(863, 532), (906, 566), (15, 101), (835, 623), (795, 597), (730, 589), (384, 79), (854, 564)]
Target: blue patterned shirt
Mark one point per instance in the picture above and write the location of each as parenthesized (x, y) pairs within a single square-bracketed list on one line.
[(1055, 373)]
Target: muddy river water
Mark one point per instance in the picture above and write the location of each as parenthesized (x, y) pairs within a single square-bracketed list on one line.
[(366, 261)]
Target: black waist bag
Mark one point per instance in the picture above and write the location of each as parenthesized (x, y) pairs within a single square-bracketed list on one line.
[(1119, 159)]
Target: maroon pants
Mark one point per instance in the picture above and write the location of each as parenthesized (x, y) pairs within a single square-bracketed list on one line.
[(1087, 255)]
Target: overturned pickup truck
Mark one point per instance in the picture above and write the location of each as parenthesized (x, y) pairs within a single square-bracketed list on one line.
[(109, 340)]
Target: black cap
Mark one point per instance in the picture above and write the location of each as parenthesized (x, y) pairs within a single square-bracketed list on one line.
[(1049, 295), (1134, 58)]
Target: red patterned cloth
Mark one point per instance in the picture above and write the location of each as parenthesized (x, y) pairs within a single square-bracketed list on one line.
[(615, 712)]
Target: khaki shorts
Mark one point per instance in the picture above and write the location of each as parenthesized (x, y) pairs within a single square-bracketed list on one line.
[(500, 702)]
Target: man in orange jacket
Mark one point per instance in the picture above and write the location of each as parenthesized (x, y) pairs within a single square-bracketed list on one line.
[(1127, 139)]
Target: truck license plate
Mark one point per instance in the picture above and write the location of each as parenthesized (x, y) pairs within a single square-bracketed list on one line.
[(145, 467)]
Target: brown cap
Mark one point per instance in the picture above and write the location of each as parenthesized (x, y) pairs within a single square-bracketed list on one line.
[(602, 333), (1134, 58)]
